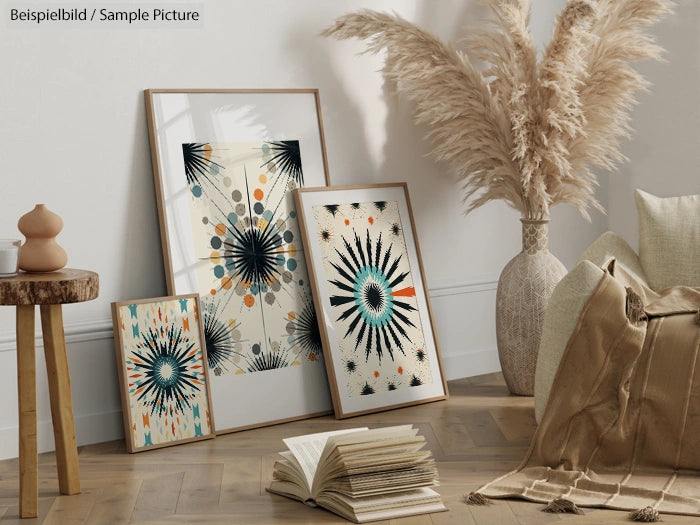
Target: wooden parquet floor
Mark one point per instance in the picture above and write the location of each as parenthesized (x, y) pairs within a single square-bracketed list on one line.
[(478, 434)]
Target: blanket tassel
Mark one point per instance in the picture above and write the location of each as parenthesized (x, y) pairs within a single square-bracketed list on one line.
[(474, 498), (562, 505), (646, 515), (634, 307)]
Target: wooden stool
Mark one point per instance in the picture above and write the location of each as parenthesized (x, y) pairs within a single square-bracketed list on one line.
[(50, 291)]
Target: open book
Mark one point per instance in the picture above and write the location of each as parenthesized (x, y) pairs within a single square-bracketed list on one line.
[(362, 475)]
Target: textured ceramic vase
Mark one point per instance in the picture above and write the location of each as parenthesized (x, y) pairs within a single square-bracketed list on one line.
[(524, 288), (41, 252)]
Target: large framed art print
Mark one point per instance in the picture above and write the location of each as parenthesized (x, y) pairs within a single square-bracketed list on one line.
[(225, 163), (370, 294)]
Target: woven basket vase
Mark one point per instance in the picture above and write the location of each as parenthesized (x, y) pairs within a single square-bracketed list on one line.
[(524, 288)]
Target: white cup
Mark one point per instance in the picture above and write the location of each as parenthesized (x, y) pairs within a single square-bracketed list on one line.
[(9, 256)]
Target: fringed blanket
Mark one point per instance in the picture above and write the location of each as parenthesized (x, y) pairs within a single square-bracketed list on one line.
[(622, 425)]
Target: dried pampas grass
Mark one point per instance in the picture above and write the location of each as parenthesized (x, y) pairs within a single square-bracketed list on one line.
[(522, 131)]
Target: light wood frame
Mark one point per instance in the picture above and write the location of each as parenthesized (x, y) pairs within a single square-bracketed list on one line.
[(231, 117), (164, 312), (318, 226)]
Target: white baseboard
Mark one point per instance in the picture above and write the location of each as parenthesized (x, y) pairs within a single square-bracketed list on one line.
[(94, 428), (75, 331), (469, 364)]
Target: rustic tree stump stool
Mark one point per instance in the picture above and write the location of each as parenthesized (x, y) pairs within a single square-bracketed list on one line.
[(49, 291)]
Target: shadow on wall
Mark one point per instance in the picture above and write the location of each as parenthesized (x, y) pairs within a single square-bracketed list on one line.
[(663, 152), (142, 256)]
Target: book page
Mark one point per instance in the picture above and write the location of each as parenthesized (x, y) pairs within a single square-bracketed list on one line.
[(307, 450)]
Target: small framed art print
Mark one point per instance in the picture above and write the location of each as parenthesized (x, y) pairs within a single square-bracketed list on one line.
[(161, 361), (225, 163), (370, 294)]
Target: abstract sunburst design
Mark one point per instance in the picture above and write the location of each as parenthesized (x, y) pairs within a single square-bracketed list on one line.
[(199, 166), (369, 292), (166, 359), (218, 337), (268, 360), (305, 333), (285, 156)]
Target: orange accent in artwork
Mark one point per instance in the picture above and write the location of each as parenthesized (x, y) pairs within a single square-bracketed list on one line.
[(347, 222), (212, 291), (370, 220), (172, 426), (137, 361), (262, 178), (291, 316), (249, 300), (207, 151), (146, 420), (409, 291), (215, 257), (312, 356), (258, 194), (376, 373), (220, 228), (400, 370), (160, 314), (185, 324), (226, 283)]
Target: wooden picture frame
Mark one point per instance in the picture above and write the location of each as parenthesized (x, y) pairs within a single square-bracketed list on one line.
[(163, 378), (370, 293), (224, 163)]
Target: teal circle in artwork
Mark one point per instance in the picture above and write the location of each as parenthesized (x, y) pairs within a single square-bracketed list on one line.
[(215, 242), (256, 349), (254, 289), (214, 169), (301, 282), (266, 148), (267, 215), (230, 264), (291, 264), (258, 208), (197, 190), (293, 214), (288, 236), (232, 218), (219, 271), (280, 260)]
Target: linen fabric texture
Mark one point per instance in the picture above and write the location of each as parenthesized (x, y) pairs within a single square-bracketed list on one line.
[(621, 428)]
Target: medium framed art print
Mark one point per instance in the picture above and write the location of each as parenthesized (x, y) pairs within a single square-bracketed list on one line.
[(225, 164), (161, 360), (371, 298)]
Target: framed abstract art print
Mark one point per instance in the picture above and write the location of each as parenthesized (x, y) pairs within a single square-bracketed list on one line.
[(225, 164), (161, 360), (370, 294)]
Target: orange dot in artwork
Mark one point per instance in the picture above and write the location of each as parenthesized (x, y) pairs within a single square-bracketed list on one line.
[(226, 283), (220, 228), (291, 250), (376, 373), (246, 284), (296, 363), (258, 194), (370, 220), (239, 372), (347, 222), (312, 357), (291, 316), (212, 291), (400, 370), (232, 323), (207, 151), (249, 300), (215, 257), (262, 178)]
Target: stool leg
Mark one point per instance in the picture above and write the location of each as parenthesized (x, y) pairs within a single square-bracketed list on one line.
[(26, 393), (61, 402)]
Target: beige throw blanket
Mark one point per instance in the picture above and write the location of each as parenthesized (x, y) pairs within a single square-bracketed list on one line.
[(622, 424)]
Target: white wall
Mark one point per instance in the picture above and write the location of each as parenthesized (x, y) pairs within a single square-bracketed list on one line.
[(73, 136)]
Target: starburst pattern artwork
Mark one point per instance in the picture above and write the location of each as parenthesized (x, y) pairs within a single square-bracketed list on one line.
[(372, 297), (164, 378)]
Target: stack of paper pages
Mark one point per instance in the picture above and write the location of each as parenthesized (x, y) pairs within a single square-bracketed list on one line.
[(363, 475)]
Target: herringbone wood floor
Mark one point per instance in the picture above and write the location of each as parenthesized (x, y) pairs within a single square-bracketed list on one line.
[(480, 433)]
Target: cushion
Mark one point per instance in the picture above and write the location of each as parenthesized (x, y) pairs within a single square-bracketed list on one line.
[(669, 239), (610, 245), (560, 319)]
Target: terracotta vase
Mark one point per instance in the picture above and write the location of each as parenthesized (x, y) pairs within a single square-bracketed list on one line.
[(524, 288), (41, 252)]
